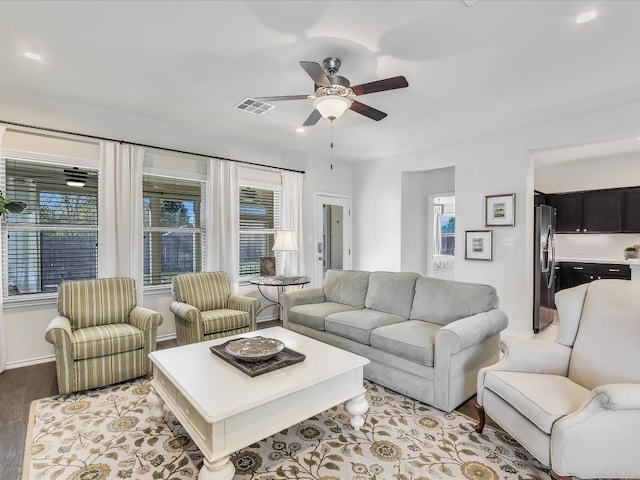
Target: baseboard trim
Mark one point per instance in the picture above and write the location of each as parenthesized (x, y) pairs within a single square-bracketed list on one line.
[(31, 361), (52, 358)]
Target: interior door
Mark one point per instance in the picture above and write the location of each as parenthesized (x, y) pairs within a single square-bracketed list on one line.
[(333, 234)]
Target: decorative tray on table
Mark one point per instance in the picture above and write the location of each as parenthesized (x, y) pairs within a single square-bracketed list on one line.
[(257, 355)]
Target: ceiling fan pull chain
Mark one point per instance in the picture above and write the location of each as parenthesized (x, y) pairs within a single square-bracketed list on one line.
[(331, 151)]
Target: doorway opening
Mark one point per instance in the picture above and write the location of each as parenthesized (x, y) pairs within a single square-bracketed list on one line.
[(443, 236), (333, 237)]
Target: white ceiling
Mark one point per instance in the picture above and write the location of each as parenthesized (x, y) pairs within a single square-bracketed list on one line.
[(471, 70)]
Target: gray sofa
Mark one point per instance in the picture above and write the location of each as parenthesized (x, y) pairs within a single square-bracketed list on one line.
[(425, 337)]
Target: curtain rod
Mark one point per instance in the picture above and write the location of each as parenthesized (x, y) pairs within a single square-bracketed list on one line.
[(166, 149)]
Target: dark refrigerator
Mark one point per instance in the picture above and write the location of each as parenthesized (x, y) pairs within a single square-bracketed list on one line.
[(544, 267)]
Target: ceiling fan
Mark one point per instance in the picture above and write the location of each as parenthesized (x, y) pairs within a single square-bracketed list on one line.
[(333, 93)]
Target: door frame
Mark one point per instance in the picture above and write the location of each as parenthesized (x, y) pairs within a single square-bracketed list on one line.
[(322, 198), (431, 248)]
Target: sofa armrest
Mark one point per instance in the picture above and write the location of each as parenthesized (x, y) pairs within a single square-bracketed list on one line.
[(59, 333), (603, 431), (148, 322), (145, 319), (299, 297), (461, 348), (186, 312), (245, 304), (58, 330), (615, 397), (470, 331)]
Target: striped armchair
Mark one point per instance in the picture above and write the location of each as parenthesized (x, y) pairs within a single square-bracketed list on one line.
[(204, 308), (100, 336)]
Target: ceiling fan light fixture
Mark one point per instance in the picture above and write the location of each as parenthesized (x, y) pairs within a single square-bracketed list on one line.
[(331, 106)]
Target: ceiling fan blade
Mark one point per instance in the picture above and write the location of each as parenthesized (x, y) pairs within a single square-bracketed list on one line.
[(316, 72), (283, 97), (367, 111), (312, 119), (380, 85)]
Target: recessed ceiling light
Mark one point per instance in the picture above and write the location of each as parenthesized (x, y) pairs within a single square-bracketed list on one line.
[(300, 130), (33, 56), (586, 16)]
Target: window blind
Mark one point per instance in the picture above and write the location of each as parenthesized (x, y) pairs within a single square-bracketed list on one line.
[(259, 220), (174, 231), (55, 238)]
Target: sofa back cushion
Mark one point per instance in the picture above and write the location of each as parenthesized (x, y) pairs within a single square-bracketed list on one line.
[(89, 303), (348, 287), (443, 301), (391, 292), (606, 345), (203, 290)]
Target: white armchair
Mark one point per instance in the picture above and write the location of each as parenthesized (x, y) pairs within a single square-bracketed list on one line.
[(575, 403)]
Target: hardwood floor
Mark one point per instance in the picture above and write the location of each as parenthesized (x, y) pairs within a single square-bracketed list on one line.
[(20, 386)]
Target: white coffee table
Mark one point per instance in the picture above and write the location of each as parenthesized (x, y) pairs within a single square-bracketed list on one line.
[(225, 410)]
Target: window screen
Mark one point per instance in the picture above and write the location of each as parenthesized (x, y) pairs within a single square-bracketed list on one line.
[(259, 220), (55, 237), (173, 228)]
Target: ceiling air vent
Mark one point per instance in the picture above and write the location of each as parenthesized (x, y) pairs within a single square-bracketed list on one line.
[(256, 107)]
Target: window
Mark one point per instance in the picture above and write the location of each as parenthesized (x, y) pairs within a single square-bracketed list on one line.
[(259, 220), (173, 228), (55, 238)]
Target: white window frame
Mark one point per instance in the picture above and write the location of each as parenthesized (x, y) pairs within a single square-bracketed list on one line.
[(199, 256), (277, 189), (42, 158)]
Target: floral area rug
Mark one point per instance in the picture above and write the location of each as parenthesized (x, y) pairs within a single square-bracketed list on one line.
[(109, 433)]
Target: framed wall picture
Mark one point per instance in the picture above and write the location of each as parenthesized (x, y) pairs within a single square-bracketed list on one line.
[(500, 210), (478, 245)]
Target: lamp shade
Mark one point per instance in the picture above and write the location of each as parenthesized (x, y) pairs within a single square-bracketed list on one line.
[(331, 106), (285, 241)]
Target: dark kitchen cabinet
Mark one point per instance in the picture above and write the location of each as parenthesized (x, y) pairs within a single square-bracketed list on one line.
[(597, 211), (631, 223), (573, 274), (602, 210), (568, 211), (612, 270)]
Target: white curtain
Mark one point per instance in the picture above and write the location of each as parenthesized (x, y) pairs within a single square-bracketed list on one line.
[(437, 231), (3, 340), (120, 213), (292, 217), (222, 222)]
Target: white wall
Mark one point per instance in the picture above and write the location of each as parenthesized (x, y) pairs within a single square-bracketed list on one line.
[(492, 164), (415, 238), (25, 323), (589, 174)]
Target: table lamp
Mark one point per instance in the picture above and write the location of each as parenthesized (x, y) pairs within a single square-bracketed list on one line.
[(285, 242)]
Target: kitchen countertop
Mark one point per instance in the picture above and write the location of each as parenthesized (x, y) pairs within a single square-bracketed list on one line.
[(597, 260)]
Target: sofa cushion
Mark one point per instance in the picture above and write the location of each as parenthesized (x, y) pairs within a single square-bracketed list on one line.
[(443, 301), (601, 353), (357, 324), (103, 301), (223, 320), (391, 292), (312, 315), (346, 286), (542, 398), (412, 339), (104, 340)]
